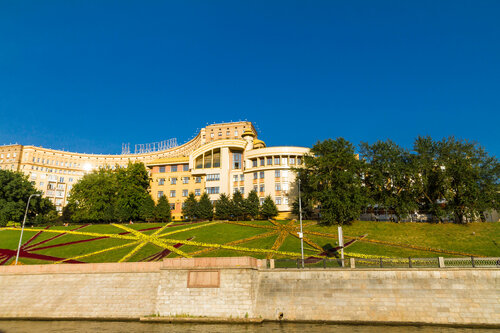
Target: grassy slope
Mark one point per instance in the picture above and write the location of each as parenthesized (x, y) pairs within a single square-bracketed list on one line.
[(476, 238)]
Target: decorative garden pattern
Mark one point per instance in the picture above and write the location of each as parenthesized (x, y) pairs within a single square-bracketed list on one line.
[(122, 243)]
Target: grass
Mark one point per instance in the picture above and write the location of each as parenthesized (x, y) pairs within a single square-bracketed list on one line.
[(385, 239)]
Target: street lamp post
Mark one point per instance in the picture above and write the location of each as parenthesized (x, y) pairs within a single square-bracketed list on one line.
[(301, 233), (24, 221)]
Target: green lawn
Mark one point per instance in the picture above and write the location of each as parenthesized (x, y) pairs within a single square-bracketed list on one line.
[(108, 243)]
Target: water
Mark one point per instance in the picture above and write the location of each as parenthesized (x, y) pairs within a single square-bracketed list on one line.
[(19, 326)]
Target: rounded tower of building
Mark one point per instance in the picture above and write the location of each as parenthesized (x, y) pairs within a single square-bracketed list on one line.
[(248, 136)]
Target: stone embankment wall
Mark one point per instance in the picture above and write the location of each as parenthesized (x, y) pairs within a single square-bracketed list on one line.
[(242, 287)]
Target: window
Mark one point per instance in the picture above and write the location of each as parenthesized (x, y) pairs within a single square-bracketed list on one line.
[(172, 193), (173, 168), (184, 193), (278, 187), (236, 160), (185, 167), (185, 180), (197, 180), (285, 200), (285, 186), (278, 201), (277, 160), (220, 133), (262, 162), (242, 177), (212, 190), (292, 160), (255, 188), (172, 206), (162, 169), (71, 180), (261, 188), (212, 135), (261, 174), (235, 190), (242, 190), (216, 156), (161, 181), (255, 175), (160, 194), (41, 183), (277, 174), (262, 201), (208, 159), (254, 163), (236, 133), (235, 178), (228, 133), (173, 180), (269, 161), (213, 176), (299, 160), (197, 192), (285, 160), (199, 162)]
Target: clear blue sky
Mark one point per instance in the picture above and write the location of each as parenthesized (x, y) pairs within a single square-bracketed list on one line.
[(86, 76)]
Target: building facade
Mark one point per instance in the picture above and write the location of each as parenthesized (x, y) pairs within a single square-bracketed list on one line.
[(222, 158)]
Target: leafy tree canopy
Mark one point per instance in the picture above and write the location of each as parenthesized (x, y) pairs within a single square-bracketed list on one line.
[(107, 195), (15, 189), (332, 177)]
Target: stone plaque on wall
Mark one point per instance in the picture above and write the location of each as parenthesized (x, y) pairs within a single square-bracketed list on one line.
[(203, 279)]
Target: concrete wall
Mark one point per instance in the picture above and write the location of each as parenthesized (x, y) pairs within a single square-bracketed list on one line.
[(444, 296), (241, 287)]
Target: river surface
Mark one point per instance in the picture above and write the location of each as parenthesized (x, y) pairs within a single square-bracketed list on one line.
[(19, 326)]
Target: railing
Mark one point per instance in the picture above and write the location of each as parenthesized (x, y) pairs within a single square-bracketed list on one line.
[(436, 262)]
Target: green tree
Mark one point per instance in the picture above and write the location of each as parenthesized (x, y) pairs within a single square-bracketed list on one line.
[(223, 208), (471, 179), (15, 189), (268, 209), (252, 205), (162, 211), (307, 209), (389, 177), (133, 185), (332, 177), (147, 211), (95, 197), (190, 209), (68, 212), (111, 195), (205, 208), (430, 180), (238, 206)]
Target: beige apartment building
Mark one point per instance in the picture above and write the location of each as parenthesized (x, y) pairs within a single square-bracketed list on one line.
[(222, 158)]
